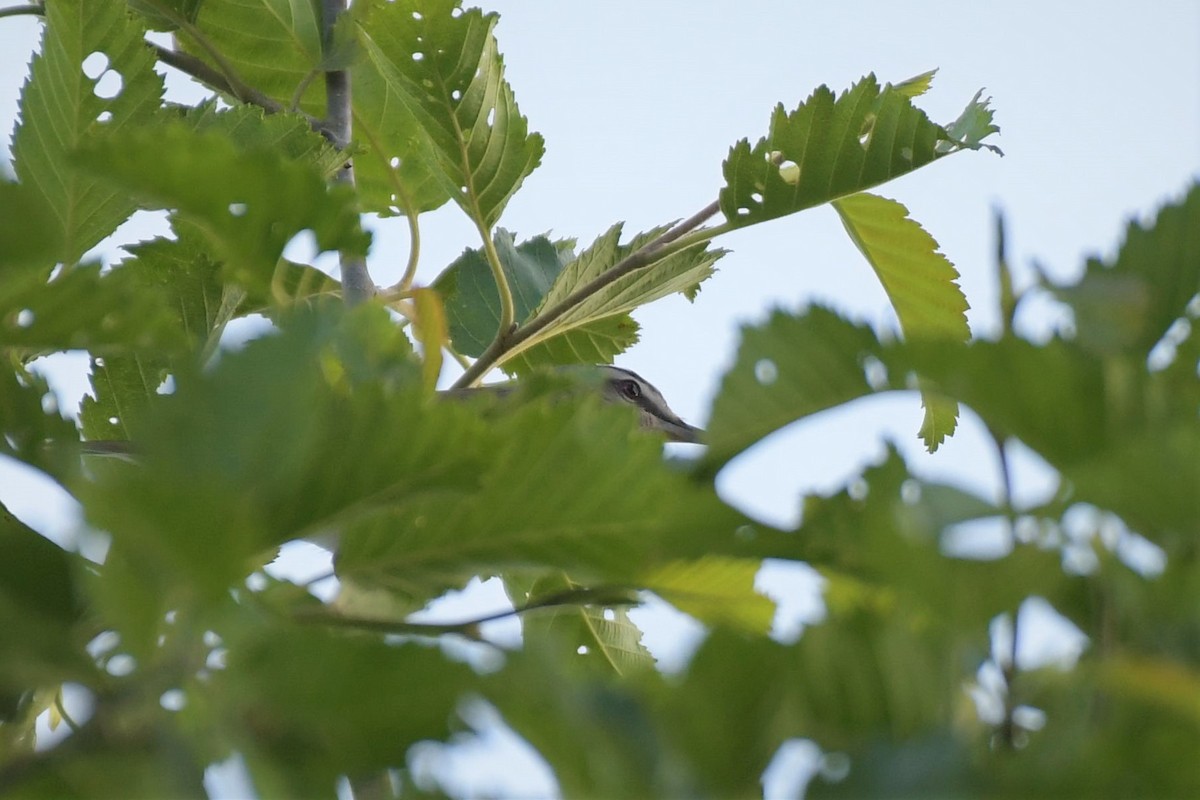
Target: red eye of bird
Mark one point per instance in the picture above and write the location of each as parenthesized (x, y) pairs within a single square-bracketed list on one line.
[(630, 390)]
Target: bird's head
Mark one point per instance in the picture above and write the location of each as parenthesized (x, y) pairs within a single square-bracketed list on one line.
[(624, 386)]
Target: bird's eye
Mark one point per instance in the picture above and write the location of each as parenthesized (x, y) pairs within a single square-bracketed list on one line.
[(630, 390)]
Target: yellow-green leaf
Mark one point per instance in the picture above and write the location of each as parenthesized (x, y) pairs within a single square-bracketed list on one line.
[(429, 326), (715, 589)]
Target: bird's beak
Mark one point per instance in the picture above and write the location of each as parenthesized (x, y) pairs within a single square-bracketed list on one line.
[(679, 431)]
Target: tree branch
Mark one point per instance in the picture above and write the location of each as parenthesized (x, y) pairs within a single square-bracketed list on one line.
[(643, 257), (357, 286)]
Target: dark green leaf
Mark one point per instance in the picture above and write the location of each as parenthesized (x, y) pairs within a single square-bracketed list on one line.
[(469, 290), (251, 128), (30, 236), (39, 607), (308, 706)]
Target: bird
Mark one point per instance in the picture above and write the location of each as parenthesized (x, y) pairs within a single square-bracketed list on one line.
[(626, 386), (615, 385)]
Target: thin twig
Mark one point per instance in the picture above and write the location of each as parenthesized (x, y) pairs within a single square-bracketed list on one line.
[(609, 596), (652, 251)]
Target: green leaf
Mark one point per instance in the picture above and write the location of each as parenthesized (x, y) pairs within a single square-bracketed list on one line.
[(919, 281), (326, 705), (338, 431), (250, 128), (124, 389), (566, 486), (60, 108), (599, 327), (397, 167), (603, 637), (165, 15), (1126, 306), (249, 203), (181, 271), (30, 236), (788, 368), (1050, 396), (431, 330), (973, 126), (273, 46), (615, 748), (469, 290), (716, 590), (39, 605), (1162, 503), (915, 86), (30, 419), (828, 148), (594, 342), (443, 65), (84, 308)]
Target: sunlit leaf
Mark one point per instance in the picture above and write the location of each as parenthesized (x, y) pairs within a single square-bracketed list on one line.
[(715, 590), (921, 284), (429, 326)]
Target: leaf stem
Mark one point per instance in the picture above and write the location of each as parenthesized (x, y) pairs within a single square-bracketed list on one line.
[(507, 307), (15, 11), (670, 242)]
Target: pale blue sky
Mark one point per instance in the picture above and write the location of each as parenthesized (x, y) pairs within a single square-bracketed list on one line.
[(1099, 105)]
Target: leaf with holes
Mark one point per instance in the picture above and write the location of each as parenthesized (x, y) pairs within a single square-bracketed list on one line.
[(442, 64), (830, 147), (61, 105), (601, 637), (124, 388)]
